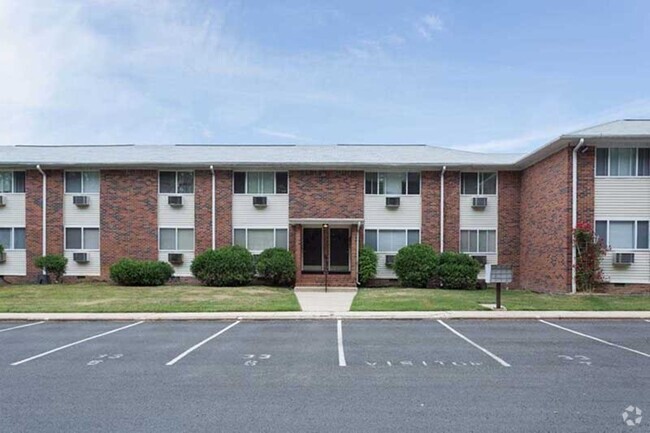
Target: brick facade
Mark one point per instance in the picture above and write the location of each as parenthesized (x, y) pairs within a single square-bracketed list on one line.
[(452, 211), (33, 221), (508, 242), (545, 224), (430, 196), (586, 185), (128, 216), (202, 211), (223, 196)]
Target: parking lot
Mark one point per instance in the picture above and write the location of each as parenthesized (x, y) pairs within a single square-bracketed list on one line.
[(326, 375)]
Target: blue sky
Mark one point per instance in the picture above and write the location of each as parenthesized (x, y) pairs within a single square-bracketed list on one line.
[(479, 75)]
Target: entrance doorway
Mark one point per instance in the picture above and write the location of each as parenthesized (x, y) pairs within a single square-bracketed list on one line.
[(326, 246)]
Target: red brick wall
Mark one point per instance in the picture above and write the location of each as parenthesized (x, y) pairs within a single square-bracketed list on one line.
[(34, 224), (586, 185), (452, 211), (128, 216), (545, 228), (224, 208), (202, 210), (54, 212), (326, 194), (508, 242), (430, 195)]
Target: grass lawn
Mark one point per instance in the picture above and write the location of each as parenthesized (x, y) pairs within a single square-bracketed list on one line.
[(106, 298), (399, 299)]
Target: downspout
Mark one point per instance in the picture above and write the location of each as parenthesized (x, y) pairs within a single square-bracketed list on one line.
[(574, 212), (214, 205), (358, 228), (442, 208), (44, 214)]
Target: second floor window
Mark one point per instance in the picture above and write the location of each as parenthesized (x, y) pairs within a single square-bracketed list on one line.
[(82, 182), (393, 183), (627, 235), (176, 182), (478, 183), (261, 182), (622, 161), (12, 182)]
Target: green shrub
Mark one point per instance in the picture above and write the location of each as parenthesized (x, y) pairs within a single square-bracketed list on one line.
[(367, 265), (277, 266), (129, 272), (54, 265), (2, 248), (457, 271), (415, 265), (226, 266)]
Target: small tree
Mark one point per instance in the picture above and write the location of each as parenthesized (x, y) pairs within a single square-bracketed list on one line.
[(367, 265), (589, 252), (54, 265)]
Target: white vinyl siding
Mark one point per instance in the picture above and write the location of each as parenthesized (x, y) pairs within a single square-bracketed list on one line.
[(622, 198), (407, 215), (179, 270), (170, 216), (74, 215), (487, 217), (176, 232), (275, 214), (179, 240), (16, 264), (13, 213)]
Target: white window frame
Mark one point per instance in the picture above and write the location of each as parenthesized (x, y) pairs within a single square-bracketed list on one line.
[(479, 185), (275, 183), (275, 236), (636, 232), (83, 238), (609, 165), (13, 182), (176, 228), (83, 187), (12, 239), (406, 173), (477, 230), (406, 236), (176, 182)]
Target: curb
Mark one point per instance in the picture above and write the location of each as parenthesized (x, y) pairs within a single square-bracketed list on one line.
[(348, 315)]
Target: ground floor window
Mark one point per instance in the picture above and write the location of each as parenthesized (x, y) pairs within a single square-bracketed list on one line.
[(478, 241), (12, 238), (259, 239), (627, 235), (176, 239), (82, 238), (390, 240)]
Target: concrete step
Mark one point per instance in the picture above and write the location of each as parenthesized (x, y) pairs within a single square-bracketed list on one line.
[(321, 289)]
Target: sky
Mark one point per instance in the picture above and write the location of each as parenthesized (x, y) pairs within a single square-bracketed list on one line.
[(489, 76)]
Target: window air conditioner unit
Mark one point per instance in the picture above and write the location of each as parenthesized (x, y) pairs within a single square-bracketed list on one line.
[(392, 202), (479, 202), (81, 200), (175, 258), (623, 259), (80, 257), (482, 260), (175, 200), (259, 202), (3, 201), (390, 260)]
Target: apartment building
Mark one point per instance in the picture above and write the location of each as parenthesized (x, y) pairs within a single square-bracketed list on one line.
[(97, 204)]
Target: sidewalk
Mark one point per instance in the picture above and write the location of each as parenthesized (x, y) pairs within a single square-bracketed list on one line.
[(349, 315)]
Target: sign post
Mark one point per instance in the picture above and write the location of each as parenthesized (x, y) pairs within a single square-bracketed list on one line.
[(498, 274)]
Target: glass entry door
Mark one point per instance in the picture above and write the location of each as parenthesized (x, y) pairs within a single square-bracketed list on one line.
[(312, 249), (339, 259)]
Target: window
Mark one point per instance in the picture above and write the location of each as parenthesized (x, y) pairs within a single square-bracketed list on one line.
[(78, 182), (12, 238), (12, 182), (478, 183), (393, 183), (390, 241), (258, 240), (261, 182), (478, 241), (176, 239), (176, 182), (622, 161), (81, 238), (627, 235)]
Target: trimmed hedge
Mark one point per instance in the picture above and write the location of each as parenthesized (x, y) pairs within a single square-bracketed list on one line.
[(367, 265), (53, 264), (277, 266), (457, 271), (226, 266), (415, 265), (129, 272)]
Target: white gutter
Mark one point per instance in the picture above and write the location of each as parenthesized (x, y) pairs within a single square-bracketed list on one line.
[(442, 208), (214, 205), (574, 212), (44, 213), (358, 228)]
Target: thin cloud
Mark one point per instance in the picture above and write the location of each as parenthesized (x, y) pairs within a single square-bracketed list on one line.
[(428, 25), (280, 134)]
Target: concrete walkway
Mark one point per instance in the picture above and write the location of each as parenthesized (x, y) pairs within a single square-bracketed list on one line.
[(350, 315), (338, 302)]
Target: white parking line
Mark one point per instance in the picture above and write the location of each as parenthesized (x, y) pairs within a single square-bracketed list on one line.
[(40, 355), (483, 349), (196, 346), (600, 340), (648, 321), (21, 326), (339, 335)]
